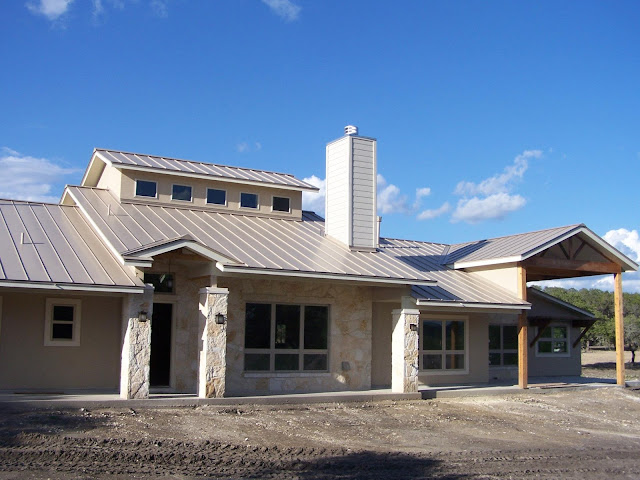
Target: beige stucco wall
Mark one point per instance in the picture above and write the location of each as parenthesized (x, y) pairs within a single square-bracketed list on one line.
[(111, 179), (505, 275), (27, 364), (349, 336), (199, 193)]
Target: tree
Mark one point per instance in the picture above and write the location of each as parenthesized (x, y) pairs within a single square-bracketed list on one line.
[(632, 335)]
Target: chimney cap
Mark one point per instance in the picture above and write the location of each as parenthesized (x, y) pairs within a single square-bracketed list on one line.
[(351, 130)]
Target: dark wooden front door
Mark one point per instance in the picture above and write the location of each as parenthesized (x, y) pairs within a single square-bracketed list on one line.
[(160, 365)]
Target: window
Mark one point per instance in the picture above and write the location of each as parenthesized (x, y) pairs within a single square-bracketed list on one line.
[(146, 188), (162, 282), (216, 197), (181, 192), (554, 341), (249, 200), (62, 322), (281, 204), (503, 345), (443, 345), (286, 338)]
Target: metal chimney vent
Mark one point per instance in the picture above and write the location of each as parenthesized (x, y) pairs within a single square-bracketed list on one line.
[(351, 130)]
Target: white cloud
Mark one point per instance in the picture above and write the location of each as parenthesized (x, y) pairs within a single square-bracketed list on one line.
[(285, 9), (52, 9), (160, 8), (245, 147), (501, 182), (390, 200), (496, 206), (627, 241), (314, 201), (29, 178), (433, 213), (491, 198)]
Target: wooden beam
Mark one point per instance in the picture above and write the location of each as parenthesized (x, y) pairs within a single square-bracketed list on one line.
[(575, 265), (544, 324), (617, 300), (584, 332), (579, 249), (523, 344)]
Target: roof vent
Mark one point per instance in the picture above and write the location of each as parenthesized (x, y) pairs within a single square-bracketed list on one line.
[(351, 130)]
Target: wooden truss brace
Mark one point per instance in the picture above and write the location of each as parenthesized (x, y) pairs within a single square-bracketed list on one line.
[(542, 324), (583, 333)]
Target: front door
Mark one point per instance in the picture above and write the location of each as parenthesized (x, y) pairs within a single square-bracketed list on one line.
[(160, 364)]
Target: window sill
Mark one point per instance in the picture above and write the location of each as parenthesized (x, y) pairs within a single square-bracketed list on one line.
[(429, 373), (285, 374)]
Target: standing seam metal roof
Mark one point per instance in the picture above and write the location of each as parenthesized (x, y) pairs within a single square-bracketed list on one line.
[(55, 244), (288, 246), (169, 165)]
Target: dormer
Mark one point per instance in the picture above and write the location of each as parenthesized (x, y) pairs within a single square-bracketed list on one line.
[(153, 180)]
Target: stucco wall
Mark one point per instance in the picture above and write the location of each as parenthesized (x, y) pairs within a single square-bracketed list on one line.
[(27, 364), (111, 179), (504, 275), (350, 311)]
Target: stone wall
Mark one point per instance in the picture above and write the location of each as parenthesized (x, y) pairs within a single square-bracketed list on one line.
[(349, 336)]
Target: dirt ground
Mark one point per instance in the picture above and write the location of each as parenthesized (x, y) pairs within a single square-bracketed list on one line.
[(586, 434)]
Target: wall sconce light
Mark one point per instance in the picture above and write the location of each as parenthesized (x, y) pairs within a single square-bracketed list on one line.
[(142, 316), (220, 318), (414, 327)]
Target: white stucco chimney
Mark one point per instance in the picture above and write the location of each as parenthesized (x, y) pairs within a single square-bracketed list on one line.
[(350, 204)]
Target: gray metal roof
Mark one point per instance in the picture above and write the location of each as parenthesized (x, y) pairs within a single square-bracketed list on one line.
[(200, 169), (453, 286), (548, 306), (515, 248), (45, 244), (253, 244)]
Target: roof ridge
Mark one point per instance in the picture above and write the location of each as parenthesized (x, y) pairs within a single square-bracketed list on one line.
[(194, 161)]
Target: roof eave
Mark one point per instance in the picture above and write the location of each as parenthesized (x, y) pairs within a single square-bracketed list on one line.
[(322, 275), (79, 287), (473, 305)]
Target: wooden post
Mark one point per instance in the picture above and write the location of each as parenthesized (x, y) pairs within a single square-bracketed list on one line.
[(617, 300), (523, 338)]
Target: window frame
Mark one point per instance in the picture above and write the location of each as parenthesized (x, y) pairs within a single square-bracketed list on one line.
[(226, 198), (444, 351), (566, 339), (173, 185), (49, 321), (273, 197), (145, 279), (257, 207), (135, 188), (272, 351), (501, 351)]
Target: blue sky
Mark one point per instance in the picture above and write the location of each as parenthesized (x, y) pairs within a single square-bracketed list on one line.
[(492, 118)]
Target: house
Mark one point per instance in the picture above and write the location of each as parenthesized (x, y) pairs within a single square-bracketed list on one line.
[(181, 276)]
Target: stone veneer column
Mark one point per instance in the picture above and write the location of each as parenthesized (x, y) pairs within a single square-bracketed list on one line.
[(136, 345), (404, 351), (213, 351)]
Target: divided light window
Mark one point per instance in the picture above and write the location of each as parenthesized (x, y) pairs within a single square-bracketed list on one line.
[(281, 204), (443, 345), (62, 322), (286, 338), (249, 200), (162, 282), (146, 188), (181, 192), (554, 341), (216, 197), (503, 345)]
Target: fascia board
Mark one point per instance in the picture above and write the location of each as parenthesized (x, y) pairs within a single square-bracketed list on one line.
[(213, 177), (72, 287), (147, 254), (492, 306), (325, 276), (486, 262), (96, 154)]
